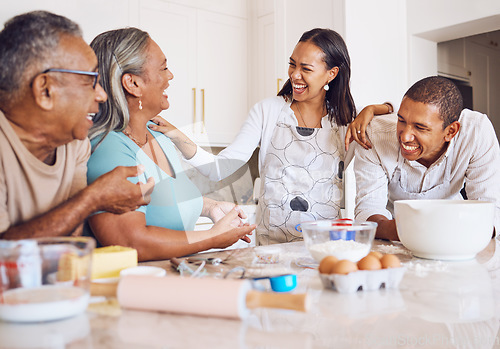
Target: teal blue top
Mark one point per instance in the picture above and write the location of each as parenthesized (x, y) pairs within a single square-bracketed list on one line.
[(176, 203)]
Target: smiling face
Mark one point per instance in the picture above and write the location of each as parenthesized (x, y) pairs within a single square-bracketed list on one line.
[(155, 79), (420, 132), (76, 99), (308, 72)]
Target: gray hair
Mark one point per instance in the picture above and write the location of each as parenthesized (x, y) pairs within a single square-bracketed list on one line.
[(28, 42), (119, 52)]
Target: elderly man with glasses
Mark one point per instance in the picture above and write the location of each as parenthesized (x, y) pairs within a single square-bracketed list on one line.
[(49, 92)]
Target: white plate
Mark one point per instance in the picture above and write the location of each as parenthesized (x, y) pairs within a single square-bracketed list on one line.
[(45, 303)]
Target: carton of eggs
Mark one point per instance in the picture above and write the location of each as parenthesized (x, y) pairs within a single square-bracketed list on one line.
[(372, 272)]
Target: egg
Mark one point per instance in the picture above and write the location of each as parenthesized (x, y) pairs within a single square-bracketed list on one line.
[(376, 254), (344, 266), (326, 264), (390, 261), (370, 262)]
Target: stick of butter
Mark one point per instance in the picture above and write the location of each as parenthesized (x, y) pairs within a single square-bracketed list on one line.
[(71, 267), (107, 262)]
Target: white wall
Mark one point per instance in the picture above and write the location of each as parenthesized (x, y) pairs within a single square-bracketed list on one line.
[(375, 34), (93, 16), (291, 23), (442, 20), (393, 43), (432, 21)]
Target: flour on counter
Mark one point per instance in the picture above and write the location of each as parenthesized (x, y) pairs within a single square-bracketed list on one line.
[(422, 267), (342, 249), (392, 249)]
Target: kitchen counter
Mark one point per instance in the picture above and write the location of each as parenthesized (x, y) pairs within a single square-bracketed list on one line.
[(437, 305)]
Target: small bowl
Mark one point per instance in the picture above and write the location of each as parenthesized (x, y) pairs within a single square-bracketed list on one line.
[(267, 254), (444, 229), (279, 283), (283, 283), (342, 238)]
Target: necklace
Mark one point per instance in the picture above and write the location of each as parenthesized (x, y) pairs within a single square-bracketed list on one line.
[(135, 140), (301, 118)]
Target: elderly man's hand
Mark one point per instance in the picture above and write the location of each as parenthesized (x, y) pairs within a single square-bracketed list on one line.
[(116, 194)]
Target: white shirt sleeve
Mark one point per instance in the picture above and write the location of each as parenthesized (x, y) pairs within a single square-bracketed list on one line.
[(371, 185), (218, 167), (372, 178), (481, 178)]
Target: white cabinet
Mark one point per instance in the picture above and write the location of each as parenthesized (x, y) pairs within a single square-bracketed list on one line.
[(173, 28), (207, 53), (222, 75), (451, 59), (265, 77)]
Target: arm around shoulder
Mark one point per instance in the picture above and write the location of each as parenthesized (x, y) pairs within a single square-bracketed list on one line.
[(237, 154), (356, 130)]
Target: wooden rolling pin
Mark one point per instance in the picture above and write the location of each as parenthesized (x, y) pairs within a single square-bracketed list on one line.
[(196, 296)]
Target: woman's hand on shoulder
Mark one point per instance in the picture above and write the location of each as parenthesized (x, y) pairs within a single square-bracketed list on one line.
[(356, 131), (182, 142), (163, 126)]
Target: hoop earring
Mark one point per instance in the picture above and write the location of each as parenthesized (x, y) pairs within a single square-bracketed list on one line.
[(326, 87), (140, 104)]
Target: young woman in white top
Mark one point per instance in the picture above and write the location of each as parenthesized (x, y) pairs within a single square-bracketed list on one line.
[(301, 134)]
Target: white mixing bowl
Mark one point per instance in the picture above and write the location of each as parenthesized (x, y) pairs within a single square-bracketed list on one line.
[(444, 229)]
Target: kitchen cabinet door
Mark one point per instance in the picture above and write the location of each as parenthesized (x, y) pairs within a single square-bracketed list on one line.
[(222, 76), (268, 83), (173, 27), (207, 53), (451, 59)]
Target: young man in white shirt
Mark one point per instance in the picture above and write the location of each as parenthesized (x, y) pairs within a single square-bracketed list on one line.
[(429, 150)]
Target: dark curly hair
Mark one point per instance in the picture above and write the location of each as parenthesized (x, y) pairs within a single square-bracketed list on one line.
[(441, 92)]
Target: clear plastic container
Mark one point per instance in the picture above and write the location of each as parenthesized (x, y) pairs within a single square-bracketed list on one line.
[(342, 238), (44, 279)]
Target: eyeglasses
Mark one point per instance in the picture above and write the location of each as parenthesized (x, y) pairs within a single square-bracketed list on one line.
[(80, 72)]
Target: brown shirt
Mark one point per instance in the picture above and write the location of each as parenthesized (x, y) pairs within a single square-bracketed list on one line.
[(28, 186)]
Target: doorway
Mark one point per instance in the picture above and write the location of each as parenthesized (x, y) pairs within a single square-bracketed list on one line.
[(475, 61)]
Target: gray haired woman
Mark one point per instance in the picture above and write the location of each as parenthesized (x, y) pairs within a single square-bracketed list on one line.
[(135, 75)]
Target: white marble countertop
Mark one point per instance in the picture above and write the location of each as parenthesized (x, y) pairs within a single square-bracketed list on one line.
[(437, 305)]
